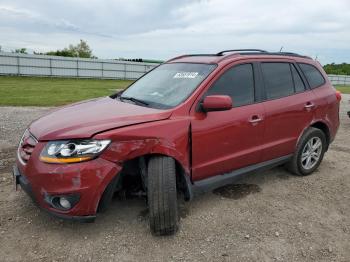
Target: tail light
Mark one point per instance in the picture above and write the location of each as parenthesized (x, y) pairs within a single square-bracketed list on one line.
[(338, 95)]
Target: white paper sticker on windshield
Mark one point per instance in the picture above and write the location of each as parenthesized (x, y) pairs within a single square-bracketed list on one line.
[(186, 75)]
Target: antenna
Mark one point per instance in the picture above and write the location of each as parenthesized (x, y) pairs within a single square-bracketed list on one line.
[(281, 49)]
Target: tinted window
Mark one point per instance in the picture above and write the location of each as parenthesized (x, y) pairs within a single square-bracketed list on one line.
[(298, 82), (313, 76), (278, 80), (238, 83)]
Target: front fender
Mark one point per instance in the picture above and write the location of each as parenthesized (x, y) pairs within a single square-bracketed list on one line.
[(125, 150), (167, 137)]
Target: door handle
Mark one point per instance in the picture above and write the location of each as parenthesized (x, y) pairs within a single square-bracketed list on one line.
[(255, 119), (309, 105)]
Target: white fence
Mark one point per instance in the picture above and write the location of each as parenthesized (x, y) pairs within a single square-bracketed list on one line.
[(339, 79), (57, 66), (43, 65)]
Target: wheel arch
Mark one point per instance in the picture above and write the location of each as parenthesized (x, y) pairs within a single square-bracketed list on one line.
[(182, 176), (321, 125), (324, 128)]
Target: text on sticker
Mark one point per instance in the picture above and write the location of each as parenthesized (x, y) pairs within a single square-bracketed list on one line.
[(186, 75)]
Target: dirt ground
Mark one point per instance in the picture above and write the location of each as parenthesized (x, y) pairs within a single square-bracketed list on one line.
[(268, 216)]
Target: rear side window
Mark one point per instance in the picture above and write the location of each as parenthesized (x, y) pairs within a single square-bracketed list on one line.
[(278, 80), (313, 76), (238, 83), (298, 82)]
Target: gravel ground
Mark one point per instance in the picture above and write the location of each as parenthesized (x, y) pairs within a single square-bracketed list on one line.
[(268, 216)]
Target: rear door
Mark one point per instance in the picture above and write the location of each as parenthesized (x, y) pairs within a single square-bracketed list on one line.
[(289, 107), (226, 140), (327, 105)]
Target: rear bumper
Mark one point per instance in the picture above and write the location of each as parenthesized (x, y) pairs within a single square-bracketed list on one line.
[(22, 181)]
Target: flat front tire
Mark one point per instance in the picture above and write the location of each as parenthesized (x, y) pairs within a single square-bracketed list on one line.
[(162, 195)]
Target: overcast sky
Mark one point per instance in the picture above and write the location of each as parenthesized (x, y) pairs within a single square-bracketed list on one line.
[(161, 29)]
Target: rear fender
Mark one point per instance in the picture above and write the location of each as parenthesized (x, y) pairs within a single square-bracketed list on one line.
[(312, 124)]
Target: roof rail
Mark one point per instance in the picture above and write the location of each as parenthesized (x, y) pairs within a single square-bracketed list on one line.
[(280, 53), (241, 50), (181, 56), (293, 54), (262, 52)]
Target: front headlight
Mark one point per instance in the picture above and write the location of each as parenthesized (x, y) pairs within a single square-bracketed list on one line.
[(72, 151)]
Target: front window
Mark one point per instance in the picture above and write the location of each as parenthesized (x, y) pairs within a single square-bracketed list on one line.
[(238, 83), (168, 85)]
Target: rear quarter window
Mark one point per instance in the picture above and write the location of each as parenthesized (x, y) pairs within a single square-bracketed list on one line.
[(313, 76)]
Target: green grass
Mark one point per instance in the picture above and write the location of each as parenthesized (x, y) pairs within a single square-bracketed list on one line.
[(42, 91), (343, 89)]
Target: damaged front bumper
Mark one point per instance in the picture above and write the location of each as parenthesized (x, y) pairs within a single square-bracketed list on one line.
[(23, 182), (44, 182)]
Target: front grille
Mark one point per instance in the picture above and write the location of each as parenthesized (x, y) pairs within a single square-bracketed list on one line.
[(26, 146)]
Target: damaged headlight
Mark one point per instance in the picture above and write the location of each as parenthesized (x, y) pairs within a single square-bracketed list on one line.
[(72, 151)]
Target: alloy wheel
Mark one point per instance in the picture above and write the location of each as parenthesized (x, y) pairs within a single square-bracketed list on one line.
[(311, 153)]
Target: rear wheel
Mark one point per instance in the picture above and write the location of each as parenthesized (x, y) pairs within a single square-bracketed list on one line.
[(162, 195), (309, 152)]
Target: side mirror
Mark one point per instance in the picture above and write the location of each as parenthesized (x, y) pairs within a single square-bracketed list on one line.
[(217, 103)]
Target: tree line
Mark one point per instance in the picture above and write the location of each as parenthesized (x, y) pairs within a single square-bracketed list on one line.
[(337, 69), (82, 49)]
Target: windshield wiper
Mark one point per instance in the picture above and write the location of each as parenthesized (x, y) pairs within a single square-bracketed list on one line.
[(133, 99)]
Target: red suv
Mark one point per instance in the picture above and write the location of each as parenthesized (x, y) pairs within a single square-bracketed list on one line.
[(192, 124)]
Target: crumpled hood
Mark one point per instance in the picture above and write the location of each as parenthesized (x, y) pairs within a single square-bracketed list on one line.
[(84, 119)]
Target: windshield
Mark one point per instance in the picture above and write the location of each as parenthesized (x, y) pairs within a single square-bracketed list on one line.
[(168, 85)]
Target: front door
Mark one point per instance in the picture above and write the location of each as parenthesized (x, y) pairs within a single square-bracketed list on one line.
[(227, 140)]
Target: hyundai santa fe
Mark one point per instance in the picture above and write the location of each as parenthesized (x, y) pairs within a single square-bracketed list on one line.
[(193, 124)]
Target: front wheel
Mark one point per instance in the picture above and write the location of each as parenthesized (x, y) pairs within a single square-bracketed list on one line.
[(309, 153), (162, 195)]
